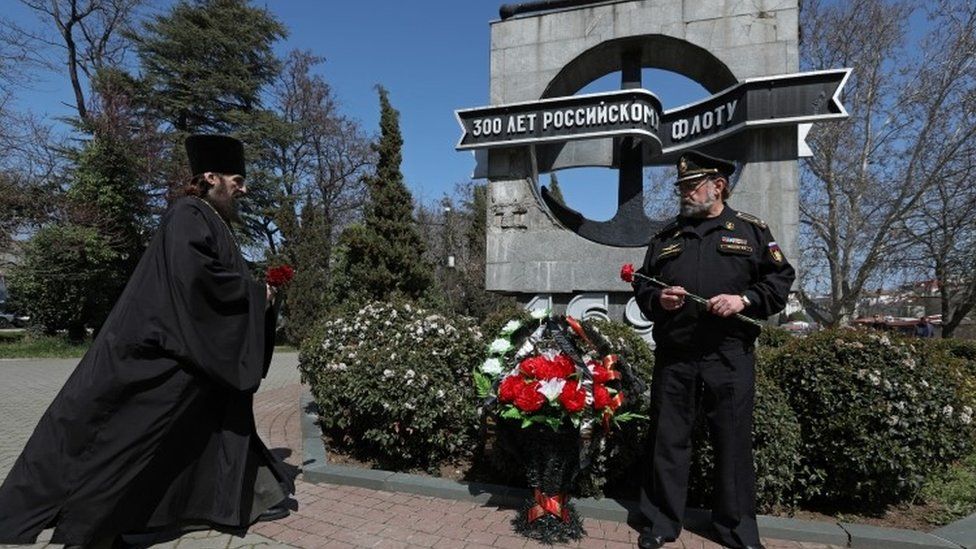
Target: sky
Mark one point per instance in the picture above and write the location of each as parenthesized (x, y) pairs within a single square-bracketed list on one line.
[(431, 55)]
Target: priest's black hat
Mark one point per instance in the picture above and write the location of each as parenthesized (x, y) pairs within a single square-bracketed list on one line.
[(693, 164), (215, 153)]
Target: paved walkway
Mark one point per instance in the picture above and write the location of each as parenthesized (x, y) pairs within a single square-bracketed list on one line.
[(325, 516)]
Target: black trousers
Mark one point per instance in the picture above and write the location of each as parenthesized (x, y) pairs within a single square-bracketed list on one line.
[(723, 385)]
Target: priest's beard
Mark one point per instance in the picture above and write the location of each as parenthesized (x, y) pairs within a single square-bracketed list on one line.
[(697, 209), (224, 201)]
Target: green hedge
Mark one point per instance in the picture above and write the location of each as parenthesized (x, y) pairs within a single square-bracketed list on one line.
[(841, 416), (393, 382), (877, 414)]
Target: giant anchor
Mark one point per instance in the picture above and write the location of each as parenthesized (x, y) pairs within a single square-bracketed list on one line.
[(644, 135)]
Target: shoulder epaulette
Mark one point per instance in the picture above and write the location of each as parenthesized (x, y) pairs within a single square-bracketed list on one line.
[(667, 228), (751, 219)]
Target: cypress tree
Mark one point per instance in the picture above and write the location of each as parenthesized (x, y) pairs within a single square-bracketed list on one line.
[(308, 295), (382, 256)]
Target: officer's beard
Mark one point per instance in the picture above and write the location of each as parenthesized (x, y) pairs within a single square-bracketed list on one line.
[(697, 209)]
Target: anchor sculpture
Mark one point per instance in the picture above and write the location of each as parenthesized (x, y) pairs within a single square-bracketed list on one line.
[(643, 134), (629, 226)]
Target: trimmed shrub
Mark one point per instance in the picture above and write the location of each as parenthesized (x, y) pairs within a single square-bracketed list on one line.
[(493, 323), (772, 337), (776, 447), (393, 382), (877, 416), (957, 358), (619, 461)]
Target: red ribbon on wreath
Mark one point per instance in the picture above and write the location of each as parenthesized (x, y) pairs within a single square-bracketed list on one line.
[(609, 362), (578, 329), (552, 505)]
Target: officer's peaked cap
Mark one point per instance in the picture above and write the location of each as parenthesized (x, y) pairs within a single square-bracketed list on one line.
[(693, 164), (215, 153)]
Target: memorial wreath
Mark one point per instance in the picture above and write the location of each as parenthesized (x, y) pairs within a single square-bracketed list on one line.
[(554, 392)]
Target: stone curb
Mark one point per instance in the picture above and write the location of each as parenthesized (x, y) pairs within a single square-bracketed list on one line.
[(959, 534)]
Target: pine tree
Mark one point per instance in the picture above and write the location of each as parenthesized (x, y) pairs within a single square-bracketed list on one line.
[(206, 62), (205, 66), (382, 256)]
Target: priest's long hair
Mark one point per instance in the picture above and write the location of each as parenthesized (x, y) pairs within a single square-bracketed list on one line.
[(196, 186)]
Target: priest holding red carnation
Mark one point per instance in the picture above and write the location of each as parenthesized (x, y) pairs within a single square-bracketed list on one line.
[(154, 429)]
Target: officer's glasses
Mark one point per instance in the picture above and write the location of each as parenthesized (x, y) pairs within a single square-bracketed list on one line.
[(689, 187)]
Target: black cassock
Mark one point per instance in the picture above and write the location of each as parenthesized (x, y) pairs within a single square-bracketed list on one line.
[(155, 427)]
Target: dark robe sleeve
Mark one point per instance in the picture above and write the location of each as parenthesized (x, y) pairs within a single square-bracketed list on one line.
[(218, 309)]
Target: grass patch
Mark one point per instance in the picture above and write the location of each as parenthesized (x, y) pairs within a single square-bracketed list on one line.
[(954, 492), (15, 345)]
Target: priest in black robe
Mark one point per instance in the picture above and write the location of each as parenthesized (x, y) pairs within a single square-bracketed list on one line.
[(155, 429)]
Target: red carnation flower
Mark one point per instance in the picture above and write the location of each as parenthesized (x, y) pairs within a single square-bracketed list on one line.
[(572, 397), (279, 276), (530, 366), (529, 398), (600, 374), (601, 397), (510, 388), (563, 366), (627, 272)]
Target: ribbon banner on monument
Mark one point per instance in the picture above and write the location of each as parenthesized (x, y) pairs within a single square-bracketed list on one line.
[(755, 102), (634, 112)]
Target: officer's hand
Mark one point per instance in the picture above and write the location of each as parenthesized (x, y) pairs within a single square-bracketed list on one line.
[(726, 305), (672, 298)]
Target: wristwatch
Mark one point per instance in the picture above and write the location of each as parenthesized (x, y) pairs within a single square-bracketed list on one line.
[(745, 301)]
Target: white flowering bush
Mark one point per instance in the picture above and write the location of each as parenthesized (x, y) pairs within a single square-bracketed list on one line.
[(878, 414), (391, 381)]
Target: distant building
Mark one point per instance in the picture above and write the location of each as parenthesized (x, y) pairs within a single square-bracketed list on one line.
[(900, 309)]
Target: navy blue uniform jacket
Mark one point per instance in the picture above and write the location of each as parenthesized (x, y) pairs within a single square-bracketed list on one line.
[(733, 253)]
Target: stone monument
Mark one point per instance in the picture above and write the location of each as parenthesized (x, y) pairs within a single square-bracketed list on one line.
[(542, 53)]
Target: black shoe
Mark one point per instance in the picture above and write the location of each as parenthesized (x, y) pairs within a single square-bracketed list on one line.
[(273, 513), (647, 540), (757, 546)]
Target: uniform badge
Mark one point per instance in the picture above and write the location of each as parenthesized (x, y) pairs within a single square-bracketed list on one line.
[(740, 249), (729, 225), (734, 240), (776, 252), (668, 251)]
